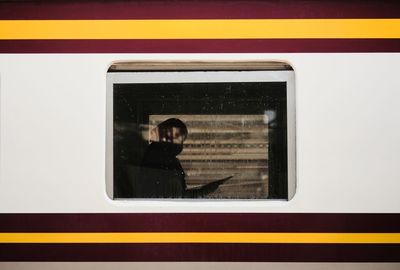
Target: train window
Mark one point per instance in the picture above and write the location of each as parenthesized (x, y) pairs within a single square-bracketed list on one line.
[(203, 130)]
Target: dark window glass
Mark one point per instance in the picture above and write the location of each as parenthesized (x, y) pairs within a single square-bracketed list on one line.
[(200, 140)]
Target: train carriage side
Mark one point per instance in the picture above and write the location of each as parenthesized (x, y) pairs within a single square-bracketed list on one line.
[(283, 150)]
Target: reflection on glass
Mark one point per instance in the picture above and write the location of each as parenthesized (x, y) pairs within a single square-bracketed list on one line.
[(218, 146), (173, 140), (161, 174)]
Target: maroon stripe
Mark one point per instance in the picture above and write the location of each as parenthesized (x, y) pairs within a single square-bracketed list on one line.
[(200, 222), (198, 9), (201, 252), (200, 46)]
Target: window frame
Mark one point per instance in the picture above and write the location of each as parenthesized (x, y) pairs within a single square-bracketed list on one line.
[(205, 72)]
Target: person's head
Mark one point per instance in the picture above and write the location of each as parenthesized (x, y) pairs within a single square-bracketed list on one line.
[(171, 130)]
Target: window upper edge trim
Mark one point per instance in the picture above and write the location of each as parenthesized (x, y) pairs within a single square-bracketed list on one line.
[(124, 66)]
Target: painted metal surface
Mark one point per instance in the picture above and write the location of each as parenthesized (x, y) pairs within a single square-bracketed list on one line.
[(52, 131)]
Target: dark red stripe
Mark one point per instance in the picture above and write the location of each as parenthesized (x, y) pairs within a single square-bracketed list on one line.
[(198, 9), (201, 252), (200, 46), (200, 222)]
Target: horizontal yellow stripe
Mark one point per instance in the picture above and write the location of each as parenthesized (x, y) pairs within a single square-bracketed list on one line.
[(292, 238), (200, 29)]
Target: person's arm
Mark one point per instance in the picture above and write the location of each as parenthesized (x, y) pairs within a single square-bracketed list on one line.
[(206, 189)]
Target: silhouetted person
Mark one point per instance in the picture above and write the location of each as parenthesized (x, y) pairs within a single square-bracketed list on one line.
[(161, 174)]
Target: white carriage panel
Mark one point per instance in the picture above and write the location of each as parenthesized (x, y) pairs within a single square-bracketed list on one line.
[(52, 134)]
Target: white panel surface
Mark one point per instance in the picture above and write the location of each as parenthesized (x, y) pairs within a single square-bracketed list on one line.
[(52, 134)]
